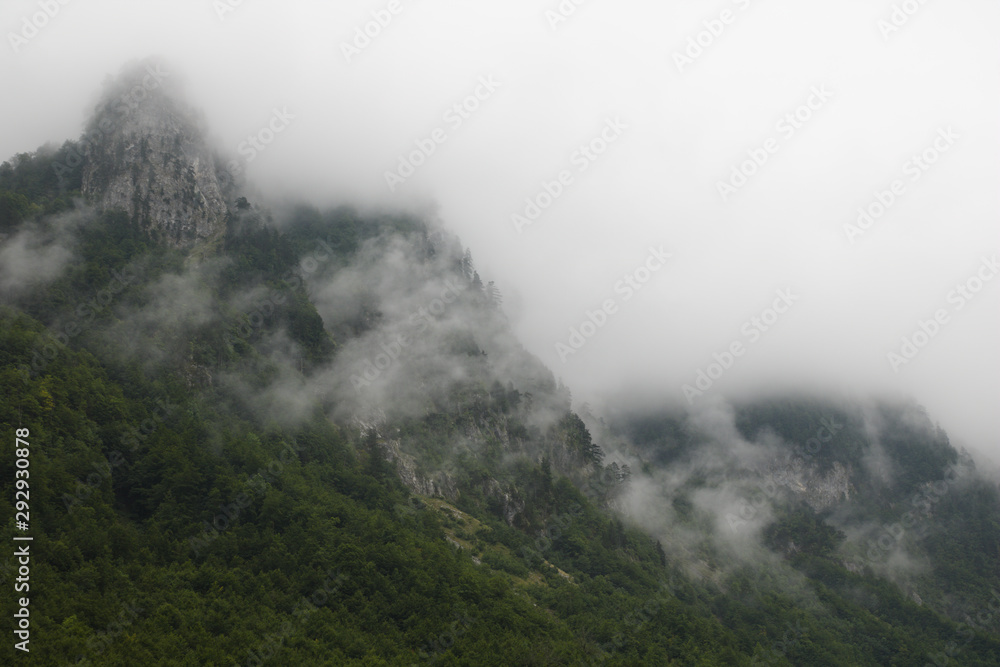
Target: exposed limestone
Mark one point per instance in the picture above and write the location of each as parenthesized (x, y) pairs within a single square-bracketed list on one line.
[(818, 490), (146, 155)]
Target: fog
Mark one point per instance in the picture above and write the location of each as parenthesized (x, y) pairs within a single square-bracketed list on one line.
[(37, 253), (827, 107)]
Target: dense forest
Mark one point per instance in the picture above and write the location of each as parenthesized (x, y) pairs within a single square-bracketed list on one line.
[(315, 441)]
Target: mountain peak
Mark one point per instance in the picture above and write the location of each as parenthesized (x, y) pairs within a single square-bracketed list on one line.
[(147, 156)]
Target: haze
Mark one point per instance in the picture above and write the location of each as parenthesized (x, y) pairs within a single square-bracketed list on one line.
[(868, 98)]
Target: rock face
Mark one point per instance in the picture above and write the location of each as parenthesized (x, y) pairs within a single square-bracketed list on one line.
[(146, 155), (820, 491), (438, 484)]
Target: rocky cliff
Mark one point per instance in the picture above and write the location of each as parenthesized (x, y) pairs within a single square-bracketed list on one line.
[(147, 156)]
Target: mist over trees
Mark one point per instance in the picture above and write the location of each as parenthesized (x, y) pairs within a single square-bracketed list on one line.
[(309, 435)]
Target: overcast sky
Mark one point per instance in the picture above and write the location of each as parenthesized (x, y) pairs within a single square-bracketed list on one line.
[(824, 107)]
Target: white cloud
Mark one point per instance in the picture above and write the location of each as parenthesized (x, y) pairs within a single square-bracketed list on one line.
[(656, 185)]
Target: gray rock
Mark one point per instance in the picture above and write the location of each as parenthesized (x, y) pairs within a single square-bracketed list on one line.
[(146, 155)]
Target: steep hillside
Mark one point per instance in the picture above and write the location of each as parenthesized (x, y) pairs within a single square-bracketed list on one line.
[(309, 437), (145, 154)]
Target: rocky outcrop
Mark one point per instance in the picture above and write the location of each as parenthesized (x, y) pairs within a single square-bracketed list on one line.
[(510, 504), (439, 484), (818, 490), (146, 155)]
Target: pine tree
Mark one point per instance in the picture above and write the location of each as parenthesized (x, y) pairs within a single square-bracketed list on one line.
[(375, 465), (493, 297), (546, 475), (467, 267)]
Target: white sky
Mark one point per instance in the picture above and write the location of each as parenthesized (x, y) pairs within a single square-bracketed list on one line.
[(655, 185)]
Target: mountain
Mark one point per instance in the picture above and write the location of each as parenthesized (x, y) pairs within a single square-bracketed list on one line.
[(147, 156), (296, 436)]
